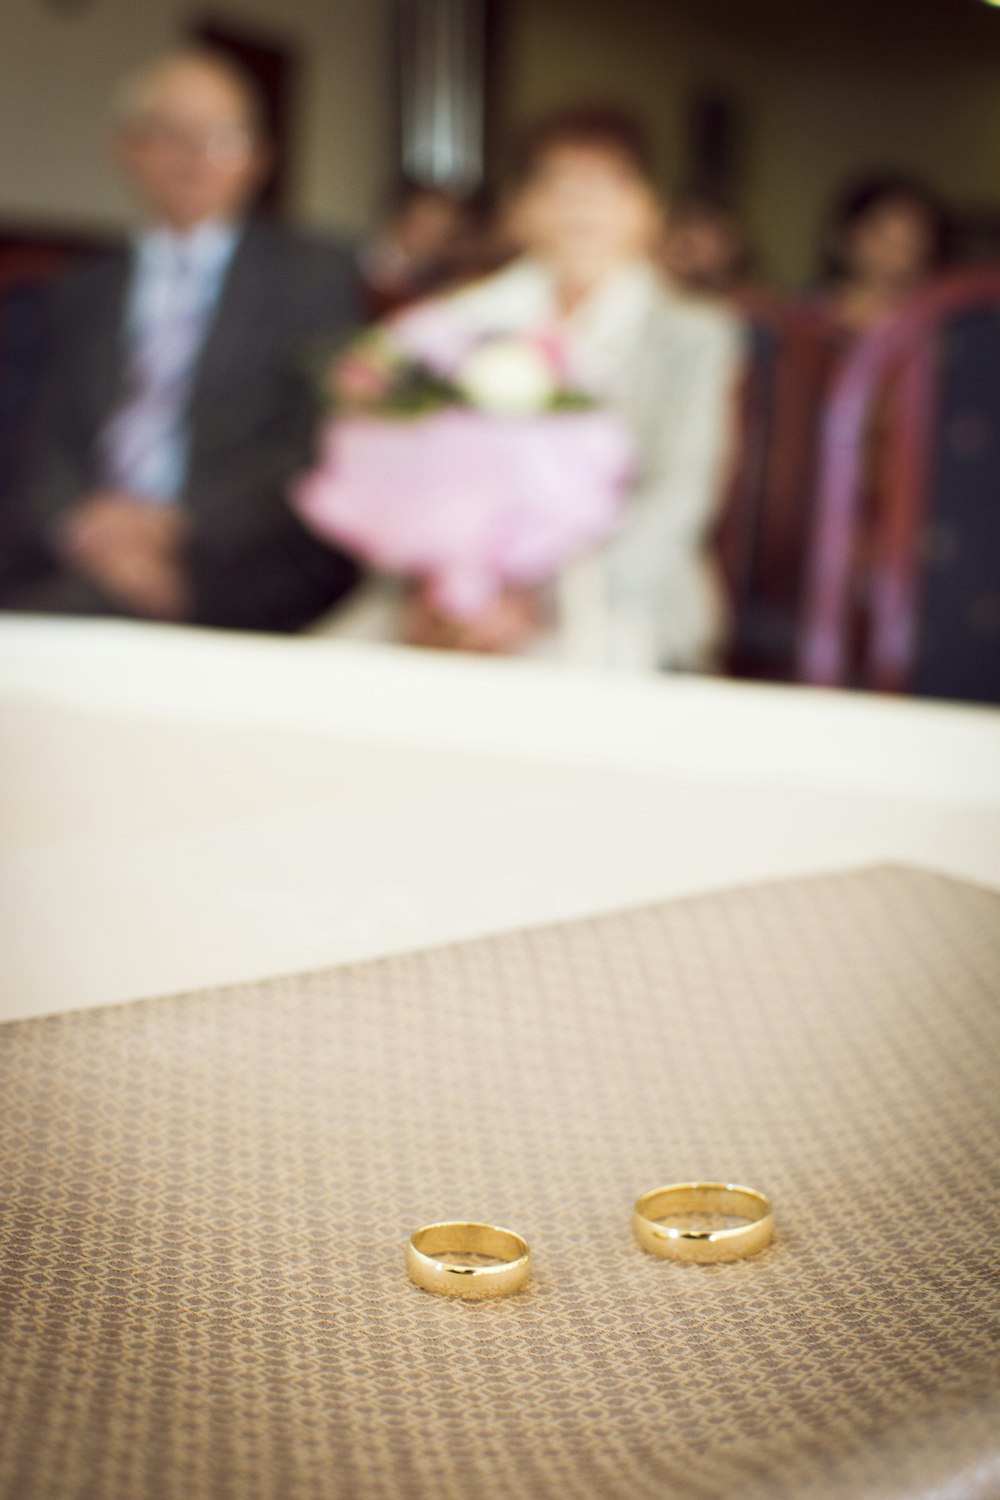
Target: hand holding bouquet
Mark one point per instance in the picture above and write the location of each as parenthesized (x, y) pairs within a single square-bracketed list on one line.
[(470, 463)]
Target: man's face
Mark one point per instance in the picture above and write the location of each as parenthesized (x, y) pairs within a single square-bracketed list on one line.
[(585, 203), (427, 226), (192, 154), (701, 250)]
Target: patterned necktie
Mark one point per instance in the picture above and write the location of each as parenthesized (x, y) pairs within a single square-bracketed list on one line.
[(140, 441)]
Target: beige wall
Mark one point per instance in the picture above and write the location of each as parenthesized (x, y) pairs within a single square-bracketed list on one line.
[(816, 118), (57, 68), (638, 53), (823, 124)]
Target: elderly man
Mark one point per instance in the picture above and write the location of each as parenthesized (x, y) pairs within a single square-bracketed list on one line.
[(178, 403)]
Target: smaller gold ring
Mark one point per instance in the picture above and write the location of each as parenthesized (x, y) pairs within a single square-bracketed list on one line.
[(427, 1270), (704, 1245)]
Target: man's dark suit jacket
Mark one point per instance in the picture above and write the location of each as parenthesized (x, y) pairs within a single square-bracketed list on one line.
[(251, 422)]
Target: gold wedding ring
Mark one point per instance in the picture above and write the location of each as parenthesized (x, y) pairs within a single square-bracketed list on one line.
[(673, 1243), (429, 1271)]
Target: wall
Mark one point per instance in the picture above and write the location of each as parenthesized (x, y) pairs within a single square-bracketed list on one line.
[(639, 53), (824, 124), (817, 114), (60, 59)]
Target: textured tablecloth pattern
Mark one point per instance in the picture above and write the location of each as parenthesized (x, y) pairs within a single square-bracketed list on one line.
[(206, 1200)]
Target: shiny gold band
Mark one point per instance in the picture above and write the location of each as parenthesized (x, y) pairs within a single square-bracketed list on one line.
[(434, 1275), (673, 1243)]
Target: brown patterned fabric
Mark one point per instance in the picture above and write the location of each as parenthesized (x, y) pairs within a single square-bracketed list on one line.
[(206, 1200)]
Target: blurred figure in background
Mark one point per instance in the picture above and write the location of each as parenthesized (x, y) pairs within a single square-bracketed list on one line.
[(587, 219), (414, 252), (885, 240), (482, 243), (705, 248), (175, 408)]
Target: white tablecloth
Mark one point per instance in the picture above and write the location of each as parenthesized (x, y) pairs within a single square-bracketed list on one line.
[(182, 808)]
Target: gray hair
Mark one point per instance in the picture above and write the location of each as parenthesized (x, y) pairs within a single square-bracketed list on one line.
[(132, 98)]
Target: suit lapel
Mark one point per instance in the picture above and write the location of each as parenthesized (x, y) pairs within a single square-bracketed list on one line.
[(233, 328)]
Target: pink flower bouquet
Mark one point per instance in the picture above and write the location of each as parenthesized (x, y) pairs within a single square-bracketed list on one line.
[(468, 463)]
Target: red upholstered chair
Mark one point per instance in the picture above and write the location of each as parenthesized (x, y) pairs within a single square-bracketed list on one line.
[(904, 578), (767, 513)]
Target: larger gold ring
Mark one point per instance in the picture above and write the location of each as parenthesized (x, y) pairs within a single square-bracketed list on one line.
[(673, 1243), (427, 1245)]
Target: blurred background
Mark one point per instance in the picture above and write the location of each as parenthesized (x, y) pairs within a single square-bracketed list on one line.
[(776, 102), (848, 559)]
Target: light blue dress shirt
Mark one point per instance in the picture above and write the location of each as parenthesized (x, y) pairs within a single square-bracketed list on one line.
[(205, 252)]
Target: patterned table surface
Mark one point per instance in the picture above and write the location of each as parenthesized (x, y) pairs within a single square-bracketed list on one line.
[(206, 1200)]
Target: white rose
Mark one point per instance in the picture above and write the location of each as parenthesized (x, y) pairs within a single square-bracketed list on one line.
[(507, 376)]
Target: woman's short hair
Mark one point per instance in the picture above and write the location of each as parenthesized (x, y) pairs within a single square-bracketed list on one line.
[(603, 127)]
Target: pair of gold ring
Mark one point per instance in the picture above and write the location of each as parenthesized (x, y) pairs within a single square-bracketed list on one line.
[(510, 1267)]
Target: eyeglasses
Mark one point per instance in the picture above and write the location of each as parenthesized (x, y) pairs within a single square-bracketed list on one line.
[(228, 143)]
